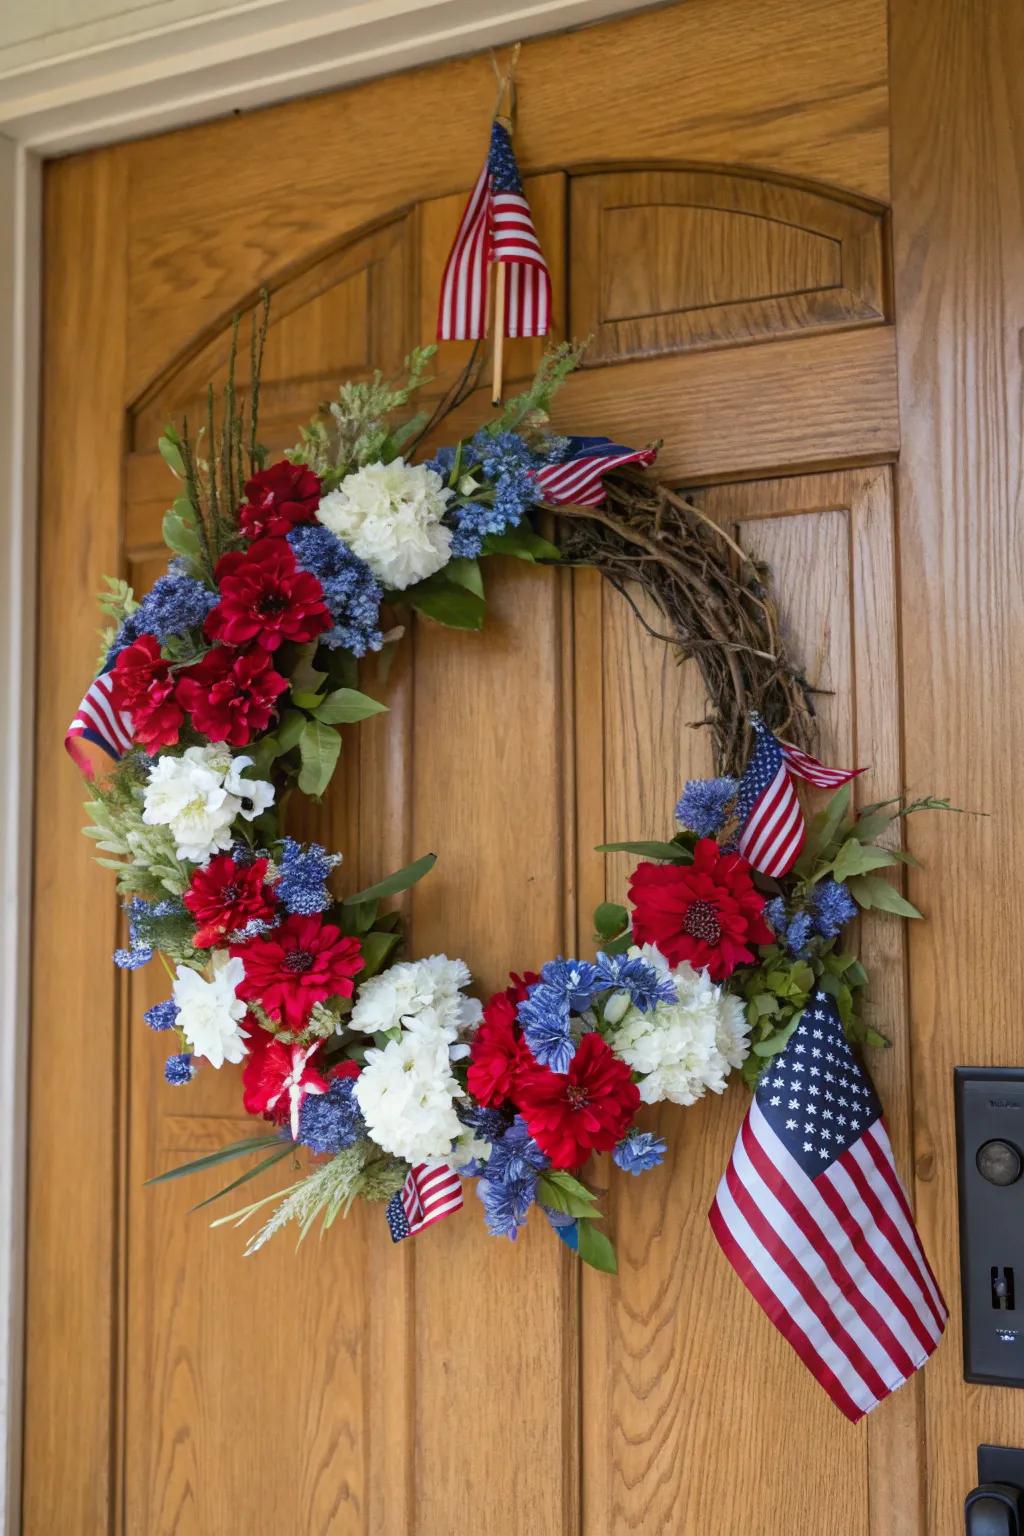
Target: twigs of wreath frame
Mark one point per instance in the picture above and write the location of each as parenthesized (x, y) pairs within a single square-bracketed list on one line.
[(717, 601)]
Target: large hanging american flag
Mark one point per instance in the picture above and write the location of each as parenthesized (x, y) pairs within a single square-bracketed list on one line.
[(98, 724), (772, 826), (497, 226), (430, 1191), (813, 1218), (577, 481)]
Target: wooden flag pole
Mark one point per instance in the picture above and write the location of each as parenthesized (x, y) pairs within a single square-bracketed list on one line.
[(500, 281)]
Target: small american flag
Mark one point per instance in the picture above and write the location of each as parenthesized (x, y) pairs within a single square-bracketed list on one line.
[(578, 480), (429, 1192), (98, 724), (496, 226), (813, 1218), (772, 823)]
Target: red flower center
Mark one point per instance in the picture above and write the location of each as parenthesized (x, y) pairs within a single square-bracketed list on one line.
[(270, 601), (298, 961), (701, 922), (577, 1094)]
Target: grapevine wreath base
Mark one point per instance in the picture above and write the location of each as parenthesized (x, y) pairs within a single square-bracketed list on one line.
[(220, 694)]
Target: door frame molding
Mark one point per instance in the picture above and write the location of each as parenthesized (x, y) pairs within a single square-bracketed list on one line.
[(93, 94)]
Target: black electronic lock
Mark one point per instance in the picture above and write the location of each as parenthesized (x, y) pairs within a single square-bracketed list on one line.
[(990, 1156)]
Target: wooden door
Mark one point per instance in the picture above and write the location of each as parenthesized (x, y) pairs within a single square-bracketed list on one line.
[(713, 190)]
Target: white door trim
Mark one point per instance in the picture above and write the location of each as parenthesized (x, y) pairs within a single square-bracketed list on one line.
[(99, 90)]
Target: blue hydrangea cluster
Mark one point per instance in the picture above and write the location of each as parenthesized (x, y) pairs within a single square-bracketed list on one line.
[(832, 907), (703, 806), (569, 987), (329, 1122), (179, 1069), (162, 1015), (351, 591), (508, 1185), (175, 604), (302, 888), (638, 1151)]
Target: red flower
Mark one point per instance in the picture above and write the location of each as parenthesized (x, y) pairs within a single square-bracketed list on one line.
[(224, 896), (497, 1052), (277, 498), (231, 695), (301, 962), (707, 912), (587, 1109), (141, 685), (519, 991), (265, 597), (277, 1077)]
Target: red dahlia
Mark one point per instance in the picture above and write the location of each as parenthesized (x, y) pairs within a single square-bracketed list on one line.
[(265, 597), (231, 695), (707, 912), (142, 686), (497, 1052), (587, 1109), (301, 962), (277, 1077), (225, 895), (277, 498)]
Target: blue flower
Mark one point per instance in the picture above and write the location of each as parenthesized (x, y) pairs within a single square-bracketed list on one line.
[(704, 803), (832, 907), (646, 985), (329, 1122), (575, 980), (178, 1070), (506, 1206), (775, 913), (515, 1156), (798, 932), (162, 1015), (544, 1018), (443, 462), (351, 591), (304, 869), (638, 1151), (489, 1124), (132, 959), (175, 604)]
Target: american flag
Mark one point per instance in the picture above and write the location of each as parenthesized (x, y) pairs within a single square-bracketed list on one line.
[(578, 481), (813, 1218), (496, 226), (772, 823), (98, 724), (429, 1192)]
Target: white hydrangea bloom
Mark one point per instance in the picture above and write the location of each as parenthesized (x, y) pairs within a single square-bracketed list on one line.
[(421, 996), (390, 516), (407, 1094), (198, 796), (209, 1013), (682, 1049)]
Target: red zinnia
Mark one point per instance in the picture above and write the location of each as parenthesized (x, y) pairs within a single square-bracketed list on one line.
[(142, 686), (277, 1077), (265, 597), (707, 912), (587, 1109), (301, 962), (519, 990), (231, 695), (277, 498), (225, 895), (497, 1052)]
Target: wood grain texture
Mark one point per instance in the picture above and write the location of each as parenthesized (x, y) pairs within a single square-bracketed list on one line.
[(70, 1409), (958, 220)]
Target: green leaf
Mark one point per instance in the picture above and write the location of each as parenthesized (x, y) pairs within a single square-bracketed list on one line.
[(466, 573), (871, 825), (764, 1003), (522, 543), (856, 858), (250, 1173), (304, 699), (319, 747), (871, 891), (169, 445), (346, 705), (667, 852), (446, 602), (289, 732), (304, 676), (377, 949), (595, 1248), (609, 919), (361, 917), (391, 885), (211, 1159), (779, 1040), (179, 530), (566, 1194), (823, 829)]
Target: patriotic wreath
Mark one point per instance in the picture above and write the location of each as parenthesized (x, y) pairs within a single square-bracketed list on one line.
[(220, 693)]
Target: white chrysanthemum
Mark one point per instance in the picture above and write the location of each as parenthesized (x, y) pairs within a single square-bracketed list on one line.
[(422, 996), (198, 796), (209, 1013), (390, 516), (682, 1049), (407, 1094)]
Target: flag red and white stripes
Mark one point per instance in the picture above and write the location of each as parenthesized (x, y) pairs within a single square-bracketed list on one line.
[(430, 1191), (772, 828), (578, 480), (807, 767), (98, 723)]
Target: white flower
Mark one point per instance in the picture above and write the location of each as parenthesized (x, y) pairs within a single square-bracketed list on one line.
[(421, 996), (390, 516), (255, 795), (407, 1094), (682, 1049), (209, 1013), (198, 796)]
